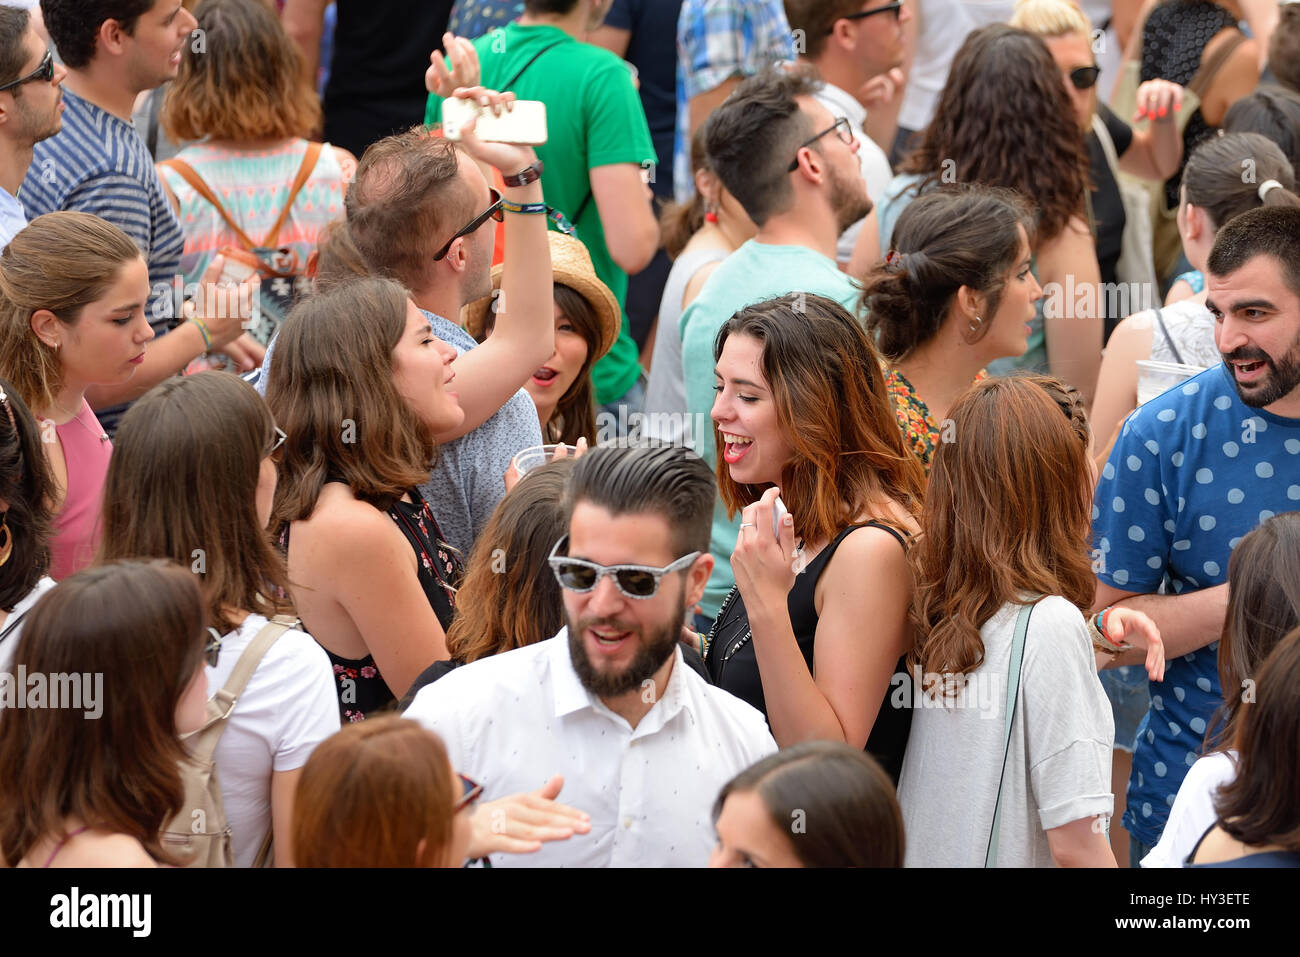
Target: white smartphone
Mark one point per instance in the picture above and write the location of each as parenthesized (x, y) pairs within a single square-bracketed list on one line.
[(778, 516), (525, 124)]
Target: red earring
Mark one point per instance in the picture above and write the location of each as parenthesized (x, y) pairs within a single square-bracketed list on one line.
[(711, 216)]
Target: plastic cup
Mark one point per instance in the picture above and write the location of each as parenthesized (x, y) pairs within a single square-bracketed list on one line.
[(528, 459)]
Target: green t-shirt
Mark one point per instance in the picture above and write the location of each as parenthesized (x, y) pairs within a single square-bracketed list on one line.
[(754, 272), (594, 118)]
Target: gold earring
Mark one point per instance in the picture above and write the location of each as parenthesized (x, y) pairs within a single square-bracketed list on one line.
[(8, 547)]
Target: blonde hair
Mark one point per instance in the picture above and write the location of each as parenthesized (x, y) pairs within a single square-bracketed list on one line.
[(62, 262), (1050, 18)]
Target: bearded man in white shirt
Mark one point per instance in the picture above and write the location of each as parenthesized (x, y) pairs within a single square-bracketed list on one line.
[(643, 742)]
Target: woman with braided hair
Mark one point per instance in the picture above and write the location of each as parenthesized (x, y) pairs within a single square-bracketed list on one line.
[(954, 293)]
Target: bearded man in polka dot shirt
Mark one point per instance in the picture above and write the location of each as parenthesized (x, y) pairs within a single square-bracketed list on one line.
[(1193, 471)]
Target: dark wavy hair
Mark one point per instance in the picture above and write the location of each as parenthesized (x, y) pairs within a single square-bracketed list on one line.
[(1272, 111), (26, 485), (1005, 119), (1261, 805), (956, 236), (74, 25), (829, 391)]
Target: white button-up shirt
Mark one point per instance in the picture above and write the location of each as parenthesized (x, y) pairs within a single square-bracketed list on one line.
[(514, 720)]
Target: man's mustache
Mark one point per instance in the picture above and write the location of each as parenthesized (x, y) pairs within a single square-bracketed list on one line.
[(1247, 354)]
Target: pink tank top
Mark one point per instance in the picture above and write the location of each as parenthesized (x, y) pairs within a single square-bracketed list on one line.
[(78, 526)]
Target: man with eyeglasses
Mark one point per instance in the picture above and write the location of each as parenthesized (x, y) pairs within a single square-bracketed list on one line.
[(643, 742), (31, 108), (848, 42)]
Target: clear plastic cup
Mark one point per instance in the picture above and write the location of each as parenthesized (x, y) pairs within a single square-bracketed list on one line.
[(528, 459), (1156, 377)]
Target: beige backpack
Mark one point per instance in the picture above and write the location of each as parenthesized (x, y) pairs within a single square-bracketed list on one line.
[(199, 833)]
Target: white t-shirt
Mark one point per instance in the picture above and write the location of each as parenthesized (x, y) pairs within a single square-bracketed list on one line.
[(287, 708), (1058, 763), (9, 645), (1193, 810), (942, 28)]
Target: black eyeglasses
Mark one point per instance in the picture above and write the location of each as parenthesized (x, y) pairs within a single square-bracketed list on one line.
[(492, 212), (634, 581), (43, 72), (470, 791), (840, 126), (893, 8), (1085, 77)]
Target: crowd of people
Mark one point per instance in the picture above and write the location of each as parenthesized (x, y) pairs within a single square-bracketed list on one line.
[(856, 433)]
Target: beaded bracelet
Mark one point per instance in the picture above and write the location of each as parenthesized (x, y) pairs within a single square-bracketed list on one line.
[(203, 330)]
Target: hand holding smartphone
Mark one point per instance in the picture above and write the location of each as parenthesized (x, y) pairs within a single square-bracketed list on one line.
[(525, 124)]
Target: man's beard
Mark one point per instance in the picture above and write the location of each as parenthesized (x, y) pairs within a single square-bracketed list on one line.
[(652, 652), (36, 127), (849, 200), (1283, 376)]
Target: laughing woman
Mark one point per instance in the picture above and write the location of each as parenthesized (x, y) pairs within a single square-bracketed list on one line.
[(802, 412)]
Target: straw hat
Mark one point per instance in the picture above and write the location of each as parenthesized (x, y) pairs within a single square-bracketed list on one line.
[(571, 266)]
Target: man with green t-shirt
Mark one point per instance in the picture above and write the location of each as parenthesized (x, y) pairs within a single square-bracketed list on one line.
[(596, 157), (794, 168)]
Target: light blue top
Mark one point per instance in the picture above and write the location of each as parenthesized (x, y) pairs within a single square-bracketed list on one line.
[(12, 218)]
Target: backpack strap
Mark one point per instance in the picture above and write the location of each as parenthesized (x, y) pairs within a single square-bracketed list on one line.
[(1210, 68), (1013, 687), (187, 172), (533, 59), (1168, 338)]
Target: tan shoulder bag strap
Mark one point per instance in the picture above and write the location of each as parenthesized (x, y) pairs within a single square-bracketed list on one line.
[(1210, 68)]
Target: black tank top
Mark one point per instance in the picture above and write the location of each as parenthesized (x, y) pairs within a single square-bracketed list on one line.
[(733, 665)]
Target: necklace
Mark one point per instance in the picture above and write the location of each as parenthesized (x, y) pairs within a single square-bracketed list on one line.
[(101, 434)]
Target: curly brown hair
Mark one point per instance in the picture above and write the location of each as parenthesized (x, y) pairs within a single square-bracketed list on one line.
[(1005, 119)]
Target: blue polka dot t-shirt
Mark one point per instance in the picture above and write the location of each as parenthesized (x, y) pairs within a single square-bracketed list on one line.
[(1193, 471)]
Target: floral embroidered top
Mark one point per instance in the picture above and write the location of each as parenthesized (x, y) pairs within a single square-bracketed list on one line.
[(362, 689), (920, 432)]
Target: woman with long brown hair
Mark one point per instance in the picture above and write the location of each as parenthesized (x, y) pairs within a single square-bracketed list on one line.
[(1263, 606), (92, 786), (360, 384), (802, 412), (1003, 563), (1004, 119), (196, 488)]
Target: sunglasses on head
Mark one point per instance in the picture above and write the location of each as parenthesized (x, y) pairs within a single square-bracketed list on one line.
[(277, 442), (470, 791), (1085, 77), (634, 581), (492, 212), (43, 72), (893, 8)]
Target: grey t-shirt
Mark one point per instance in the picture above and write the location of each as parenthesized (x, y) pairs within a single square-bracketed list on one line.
[(1058, 763), (469, 480)]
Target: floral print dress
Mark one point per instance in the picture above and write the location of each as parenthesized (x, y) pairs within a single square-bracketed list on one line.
[(920, 432)]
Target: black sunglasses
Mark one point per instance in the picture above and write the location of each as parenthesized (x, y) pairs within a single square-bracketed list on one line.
[(470, 791), (43, 72), (492, 212), (893, 8), (840, 127), (1085, 77)]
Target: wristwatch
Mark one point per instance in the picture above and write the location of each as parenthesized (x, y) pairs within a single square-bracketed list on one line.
[(529, 174)]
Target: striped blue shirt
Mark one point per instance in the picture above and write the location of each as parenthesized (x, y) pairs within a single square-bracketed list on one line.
[(98, 164)]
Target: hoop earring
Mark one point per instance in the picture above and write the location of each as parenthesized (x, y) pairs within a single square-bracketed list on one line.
[(7, 548), (974, 324)]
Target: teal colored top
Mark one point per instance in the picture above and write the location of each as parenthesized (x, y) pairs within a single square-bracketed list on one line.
[(594, 118), (754, 272), (901, 191)]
